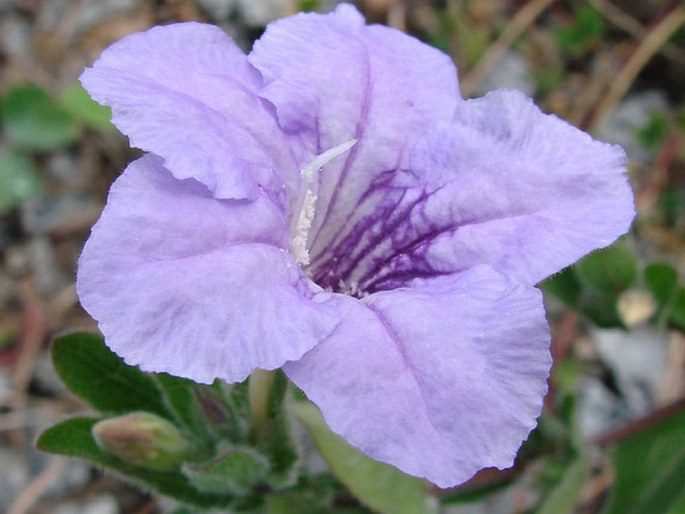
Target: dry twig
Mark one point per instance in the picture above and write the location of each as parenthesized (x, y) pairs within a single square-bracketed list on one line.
[(645, 51), (35, 332), (633, 27), (518, 25), (37, 487)]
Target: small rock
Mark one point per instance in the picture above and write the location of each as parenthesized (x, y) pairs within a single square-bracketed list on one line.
[(46, 214), (64, 167), (75, 478), (639, 360), (6, 5), (628, 118), (259, 14), (511, 70), (15, 35), (14, 477), (93, 12), (6, 387), (218, 10), (101, 504), (45, 377), (599, 410), (46, 272)]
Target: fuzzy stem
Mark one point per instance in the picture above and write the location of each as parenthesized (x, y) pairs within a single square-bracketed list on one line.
[(259, 395)]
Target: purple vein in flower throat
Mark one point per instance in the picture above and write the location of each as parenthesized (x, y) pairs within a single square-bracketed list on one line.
[(305, 208)]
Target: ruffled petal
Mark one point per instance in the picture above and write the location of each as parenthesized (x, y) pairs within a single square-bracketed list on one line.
[(440, 379), (532, 194), (187, 93), (502, 184), (333, 79), (194, 286)]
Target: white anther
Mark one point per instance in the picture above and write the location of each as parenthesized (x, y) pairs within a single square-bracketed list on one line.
[(304, 224)]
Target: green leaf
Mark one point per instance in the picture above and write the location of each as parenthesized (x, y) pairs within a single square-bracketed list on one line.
[(662, 281), (379, 486), (294, 502), (93, 372), (81, 106), (609, 271), (678, 505), (74, 438), (312, 495), (34, 121), (601, 309), (19, 180), (650, 467), (564, 497), (309, 5), (580, 36), (672, 205), (678, 309), (594, 285), (567, 375), (655, 132), (234, 470), (565, 286), (298, 502)]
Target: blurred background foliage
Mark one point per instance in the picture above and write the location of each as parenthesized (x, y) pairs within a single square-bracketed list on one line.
[(612, 436)]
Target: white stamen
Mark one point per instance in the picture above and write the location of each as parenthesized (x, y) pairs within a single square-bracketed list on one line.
[(304, 223), (305, 208)]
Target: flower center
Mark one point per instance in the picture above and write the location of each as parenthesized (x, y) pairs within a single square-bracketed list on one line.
[(305, 208)]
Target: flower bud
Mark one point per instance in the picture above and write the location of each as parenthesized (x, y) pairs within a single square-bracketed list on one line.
[(142, 439)]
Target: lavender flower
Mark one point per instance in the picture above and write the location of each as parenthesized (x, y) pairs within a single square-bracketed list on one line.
[(330, 205)]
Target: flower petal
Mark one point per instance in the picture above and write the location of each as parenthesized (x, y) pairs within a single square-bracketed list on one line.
[(194, 286), (187, 93), (332, 79), (440, 379), (502, 184), (533, 194)]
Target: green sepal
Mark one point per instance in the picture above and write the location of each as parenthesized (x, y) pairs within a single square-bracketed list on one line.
[(74, 438), (180, 398), (225, 410), (33, 120), (381, 487), (93, 372), (234, 470)]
